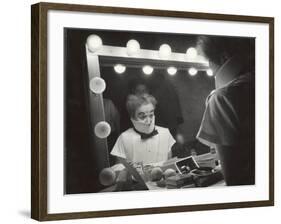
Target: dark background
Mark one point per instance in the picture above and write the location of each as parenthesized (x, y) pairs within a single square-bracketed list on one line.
[(81, 174)]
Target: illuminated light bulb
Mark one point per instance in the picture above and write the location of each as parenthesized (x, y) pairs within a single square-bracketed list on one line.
[(102, 129), (133, 47), (210, 72), (119, 68), (165, 51), (147, 69), (172, 70), (97, 85), (94, 43), (192, 71), (191, 53)]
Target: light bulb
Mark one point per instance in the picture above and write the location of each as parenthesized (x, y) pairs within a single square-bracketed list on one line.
[(191, 53), (102, 129), (165, 51), (97, 85), (133, 47), (94, 43), (107, 176), (192, 71), (210, 72), (172, 70), (147, 69), (119, 68)]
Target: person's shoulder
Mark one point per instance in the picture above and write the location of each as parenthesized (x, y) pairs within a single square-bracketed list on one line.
[(220, 91), (217, 94), (161, 129), (236, 85), (128, 133), (219, 98), (229, 91)]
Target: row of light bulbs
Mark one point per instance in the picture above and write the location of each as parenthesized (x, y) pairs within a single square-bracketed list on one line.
[(94, 43), (148, 70), (98, 85)]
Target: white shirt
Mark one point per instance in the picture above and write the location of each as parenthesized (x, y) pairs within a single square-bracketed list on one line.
[(131, 147)]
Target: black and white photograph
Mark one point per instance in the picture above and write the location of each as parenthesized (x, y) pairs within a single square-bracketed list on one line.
[(139, 111), (157, 111)]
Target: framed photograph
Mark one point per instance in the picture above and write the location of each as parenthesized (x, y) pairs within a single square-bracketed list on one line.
[(133, 104)]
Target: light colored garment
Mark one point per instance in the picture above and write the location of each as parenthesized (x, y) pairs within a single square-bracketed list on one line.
[(131, 147)]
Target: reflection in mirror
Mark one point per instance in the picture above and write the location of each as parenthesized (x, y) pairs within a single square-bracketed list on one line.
[(180, 98), (97, 90)]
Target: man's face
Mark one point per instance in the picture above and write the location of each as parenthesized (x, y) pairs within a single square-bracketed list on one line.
[(145, 113)]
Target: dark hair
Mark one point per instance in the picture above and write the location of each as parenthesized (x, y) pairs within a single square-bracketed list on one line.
[(218, 48), (135, 101), (134, 83)]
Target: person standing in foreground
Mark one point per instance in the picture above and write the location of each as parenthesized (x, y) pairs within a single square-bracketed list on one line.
[(144, 143), (228, 122)]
